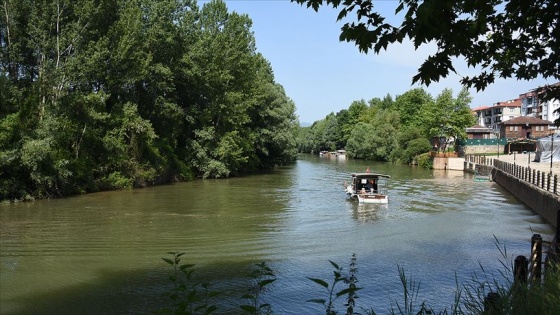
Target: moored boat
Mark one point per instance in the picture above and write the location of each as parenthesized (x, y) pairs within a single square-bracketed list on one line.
[(368, 187)]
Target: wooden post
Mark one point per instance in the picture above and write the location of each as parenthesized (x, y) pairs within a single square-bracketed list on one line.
[(536, 257), (548, 182), (555, 183), (538, 178), (491, 303), (520, 269)]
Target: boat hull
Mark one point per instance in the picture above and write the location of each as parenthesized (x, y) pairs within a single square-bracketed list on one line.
[(375, 198)]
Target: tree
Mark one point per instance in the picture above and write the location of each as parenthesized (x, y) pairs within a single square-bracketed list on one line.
[(360, 143), (411, 141), (409, 104), (104, 94), (331, 134), (385, 125), (448, 117), (504, 39)]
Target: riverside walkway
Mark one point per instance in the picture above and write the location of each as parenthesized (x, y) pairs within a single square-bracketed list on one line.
[(544, 175), (527, 160)]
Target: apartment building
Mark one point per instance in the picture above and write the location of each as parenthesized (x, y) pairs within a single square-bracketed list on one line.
[(532, 106), (492, 116)]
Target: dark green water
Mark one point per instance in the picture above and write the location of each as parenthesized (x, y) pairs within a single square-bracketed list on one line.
[(101, 253)]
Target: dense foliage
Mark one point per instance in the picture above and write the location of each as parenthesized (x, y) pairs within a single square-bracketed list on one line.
[(397, 130), (105, 94), (501, 38)]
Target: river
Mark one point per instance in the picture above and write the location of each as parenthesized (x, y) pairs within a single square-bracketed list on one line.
[(101, 253)]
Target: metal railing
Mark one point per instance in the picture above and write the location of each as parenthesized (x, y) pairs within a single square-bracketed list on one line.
[(541, 179)]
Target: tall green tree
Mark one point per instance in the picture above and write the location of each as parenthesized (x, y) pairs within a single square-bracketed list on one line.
[(331, 133), (376, 139), (411, 142), (273, 124), (361, 144), (225, 66), (386, 125), (409, 104), (447, 116)]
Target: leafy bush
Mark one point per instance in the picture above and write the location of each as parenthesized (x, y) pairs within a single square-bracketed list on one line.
[(424, 160), (116, 180)]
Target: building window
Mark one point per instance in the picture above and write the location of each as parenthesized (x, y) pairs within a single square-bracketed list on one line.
[(516, 128)]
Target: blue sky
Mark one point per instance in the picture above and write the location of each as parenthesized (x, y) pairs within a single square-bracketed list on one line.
[(323, 75)]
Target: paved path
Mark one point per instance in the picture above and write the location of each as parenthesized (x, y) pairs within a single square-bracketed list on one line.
[(523, 160)]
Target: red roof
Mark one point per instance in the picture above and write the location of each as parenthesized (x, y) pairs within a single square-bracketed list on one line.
[(523, 120), (511, 103), (483, 107)]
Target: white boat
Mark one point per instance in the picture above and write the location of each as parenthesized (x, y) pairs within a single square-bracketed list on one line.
[(368, 187)]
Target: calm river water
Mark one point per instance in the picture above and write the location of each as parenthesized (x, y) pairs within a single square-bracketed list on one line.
[(101, 253)]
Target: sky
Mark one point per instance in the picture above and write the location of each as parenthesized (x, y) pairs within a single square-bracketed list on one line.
[(323, 75)]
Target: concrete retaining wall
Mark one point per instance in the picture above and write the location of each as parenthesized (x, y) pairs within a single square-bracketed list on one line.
[(449, 163), (541, 201)]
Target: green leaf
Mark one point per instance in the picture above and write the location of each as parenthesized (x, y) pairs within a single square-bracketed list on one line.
[(346, 291), (186, 266), (320, 282), (342, 14), (334, 264), (320, 301), (169, 261)]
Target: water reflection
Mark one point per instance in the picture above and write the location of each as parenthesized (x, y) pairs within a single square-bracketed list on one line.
[(368, 213)]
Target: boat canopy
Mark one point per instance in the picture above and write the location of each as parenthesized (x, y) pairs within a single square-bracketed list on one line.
[(370, 175)]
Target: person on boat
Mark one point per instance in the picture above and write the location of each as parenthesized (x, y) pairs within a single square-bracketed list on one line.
[(371, 186)]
